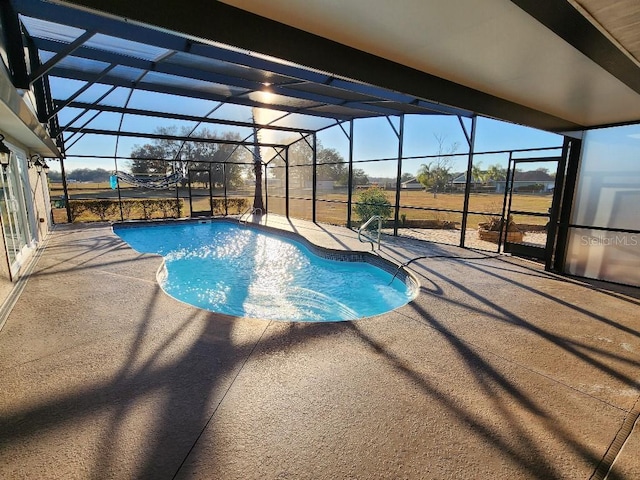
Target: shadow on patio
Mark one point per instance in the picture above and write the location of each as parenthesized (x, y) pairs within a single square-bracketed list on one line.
[(494, 371)]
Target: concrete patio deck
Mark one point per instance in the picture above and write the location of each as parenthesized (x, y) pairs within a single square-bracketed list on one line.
[(497, 370)]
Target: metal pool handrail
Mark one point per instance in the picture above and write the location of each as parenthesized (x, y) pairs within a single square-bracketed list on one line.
[(367, 238), (252, 211)]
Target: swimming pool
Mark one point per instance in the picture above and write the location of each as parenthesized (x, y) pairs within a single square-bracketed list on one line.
[(223, 267)]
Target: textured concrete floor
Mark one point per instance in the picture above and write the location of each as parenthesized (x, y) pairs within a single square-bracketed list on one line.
[(497, 370)]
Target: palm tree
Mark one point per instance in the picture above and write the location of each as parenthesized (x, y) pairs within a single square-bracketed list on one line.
[(496, 173), (433, 176), (477, 175)]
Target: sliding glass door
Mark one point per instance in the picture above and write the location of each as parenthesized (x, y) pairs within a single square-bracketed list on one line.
[(13, 208)]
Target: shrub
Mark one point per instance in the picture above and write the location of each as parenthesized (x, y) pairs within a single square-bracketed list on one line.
[(240, 204), (127, 206), (371, 202), (536, 187), (101, 208), (218, 206), (77, 208), (168, 207), (495, 224), (148, 206)]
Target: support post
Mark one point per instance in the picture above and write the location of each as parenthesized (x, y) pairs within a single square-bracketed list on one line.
[(210, 191), (66, 191), (467, 188), (115, 161), (314, 179), (552, 224), (350, 179), (568, 190), (396, 216), (224, 183), (507, 191), (173, 164), (266, 190), (286, 182)]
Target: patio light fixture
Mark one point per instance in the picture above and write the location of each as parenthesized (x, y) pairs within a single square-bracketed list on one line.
[(39, 165), (33, 159), (38, 162), (5, 153)]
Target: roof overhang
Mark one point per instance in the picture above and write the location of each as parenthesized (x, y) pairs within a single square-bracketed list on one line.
[(20, 123), (552, 64)]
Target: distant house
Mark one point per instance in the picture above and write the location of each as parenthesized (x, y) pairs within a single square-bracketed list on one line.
[(459, 180), (412, 184), (533, 181)]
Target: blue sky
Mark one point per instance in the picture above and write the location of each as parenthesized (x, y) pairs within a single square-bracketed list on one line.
[(374, 138)]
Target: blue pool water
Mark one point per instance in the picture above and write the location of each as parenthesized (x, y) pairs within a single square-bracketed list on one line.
[(226, 268)]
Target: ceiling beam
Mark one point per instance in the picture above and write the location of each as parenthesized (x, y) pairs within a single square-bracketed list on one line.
[(60, 54), (187, 92), (91, 80), (158, 136), (12, 47), (188, 118)]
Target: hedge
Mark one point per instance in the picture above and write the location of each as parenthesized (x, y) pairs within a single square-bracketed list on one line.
[(146, 208), (104, 210)]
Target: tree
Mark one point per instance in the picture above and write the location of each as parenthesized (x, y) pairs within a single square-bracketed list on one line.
[(196, 156), (55, 176), (300, 164), (89, 175), (477, 174), (496, 173), (154, 158), (161, 156), (360, 177), (372, 201), (406, 177), (331, 166), (338, 172), (232, 157), (220, 162), (435, 174), (328, 155)]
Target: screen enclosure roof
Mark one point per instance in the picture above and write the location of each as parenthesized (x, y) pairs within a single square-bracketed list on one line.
[(557, 65), (86, 49)]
